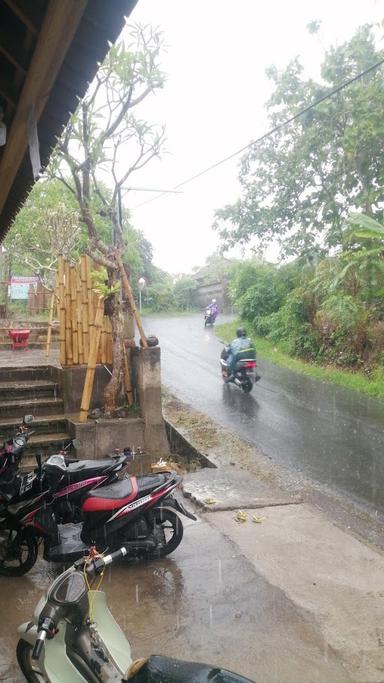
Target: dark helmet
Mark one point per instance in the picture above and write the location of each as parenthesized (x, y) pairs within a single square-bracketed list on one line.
[(241, 332)]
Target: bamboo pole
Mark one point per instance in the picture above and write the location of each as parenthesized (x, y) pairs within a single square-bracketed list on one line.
[(50, 318), (68, 329), (80, 340), (90, 374), (60, 265), (73, 293), (128, 293), (91, 309), (104, 343), (84, 307)]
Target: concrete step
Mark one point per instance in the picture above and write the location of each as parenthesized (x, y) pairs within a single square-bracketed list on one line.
[(21, 374), (46, 445), (32, 388), (35, 406), (41, 423)]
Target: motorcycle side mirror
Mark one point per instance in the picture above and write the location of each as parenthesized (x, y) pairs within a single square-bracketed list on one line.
[(38, 460), (76, 443), (27, 419)]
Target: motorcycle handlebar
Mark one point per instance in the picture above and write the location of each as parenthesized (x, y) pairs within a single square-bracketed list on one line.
[(39, 644), (100, 562)]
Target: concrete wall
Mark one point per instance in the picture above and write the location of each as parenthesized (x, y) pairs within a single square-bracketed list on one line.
[(147, 377), (217, 290), (102, 436)]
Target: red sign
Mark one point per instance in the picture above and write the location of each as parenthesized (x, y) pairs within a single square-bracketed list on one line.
[(24, 279)]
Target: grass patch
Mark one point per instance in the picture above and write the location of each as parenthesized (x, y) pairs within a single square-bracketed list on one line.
[(276, 353)]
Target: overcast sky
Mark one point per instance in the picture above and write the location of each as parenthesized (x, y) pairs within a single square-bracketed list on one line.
[(213, 102)]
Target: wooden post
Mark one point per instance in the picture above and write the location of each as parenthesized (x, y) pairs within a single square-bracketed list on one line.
[(84, 307), (50, 318), (60, 263), (128, 293), (68, 318), (127, 379), (90, 375)]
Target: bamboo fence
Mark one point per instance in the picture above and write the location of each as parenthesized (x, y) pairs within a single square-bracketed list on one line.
[(78, 304)]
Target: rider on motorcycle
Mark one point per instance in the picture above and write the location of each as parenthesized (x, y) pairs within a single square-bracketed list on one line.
[(213, 309), (241, 346)]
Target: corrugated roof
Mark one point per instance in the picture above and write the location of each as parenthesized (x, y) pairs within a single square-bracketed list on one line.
[(100, 25)]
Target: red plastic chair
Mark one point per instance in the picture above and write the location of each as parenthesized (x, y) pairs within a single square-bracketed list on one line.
[(19, 339)]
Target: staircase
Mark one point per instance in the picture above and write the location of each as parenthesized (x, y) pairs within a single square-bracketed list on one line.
[(34, 391)]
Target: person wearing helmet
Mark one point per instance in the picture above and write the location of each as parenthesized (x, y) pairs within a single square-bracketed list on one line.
[(214, 309), (240, 346)]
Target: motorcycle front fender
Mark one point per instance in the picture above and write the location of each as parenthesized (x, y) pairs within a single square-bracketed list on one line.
[(54, 664), (28, 632), (172, 503)]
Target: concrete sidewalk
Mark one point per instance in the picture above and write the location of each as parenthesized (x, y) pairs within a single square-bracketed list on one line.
[(331, 577)]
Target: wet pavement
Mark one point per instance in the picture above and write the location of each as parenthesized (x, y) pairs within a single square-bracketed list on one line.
[(206, 602), (324, 432)]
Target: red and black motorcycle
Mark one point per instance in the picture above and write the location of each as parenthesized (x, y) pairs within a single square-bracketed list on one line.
[(139, 512)]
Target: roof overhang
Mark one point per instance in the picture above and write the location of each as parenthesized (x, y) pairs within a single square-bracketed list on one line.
[(49, 53)]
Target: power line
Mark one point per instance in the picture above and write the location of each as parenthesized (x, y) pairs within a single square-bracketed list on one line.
[(270, 132)]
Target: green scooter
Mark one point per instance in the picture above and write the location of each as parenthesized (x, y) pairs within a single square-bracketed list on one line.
[(73, 638)]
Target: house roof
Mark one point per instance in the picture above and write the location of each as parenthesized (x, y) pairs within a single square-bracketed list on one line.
[(49, 53)]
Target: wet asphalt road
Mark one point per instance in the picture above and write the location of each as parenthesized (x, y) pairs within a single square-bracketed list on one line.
[(205, 602), (324, 432)]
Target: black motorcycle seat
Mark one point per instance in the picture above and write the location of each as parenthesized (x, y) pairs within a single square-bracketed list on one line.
[(148, 482), (82, 465), (158, 669), (123, 488)]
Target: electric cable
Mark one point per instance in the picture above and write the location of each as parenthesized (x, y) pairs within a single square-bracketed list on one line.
[(270, 132)]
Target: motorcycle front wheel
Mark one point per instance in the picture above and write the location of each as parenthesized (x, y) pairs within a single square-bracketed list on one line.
[(27, 665), (168, 533), (18, 552)]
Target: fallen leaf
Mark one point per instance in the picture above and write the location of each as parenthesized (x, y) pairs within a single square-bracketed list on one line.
[(209, 501), (257, 520), (240, 516)]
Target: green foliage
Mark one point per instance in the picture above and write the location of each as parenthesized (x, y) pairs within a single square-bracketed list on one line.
[(299, 185), (183, 292), (100, 283), (159, 298)]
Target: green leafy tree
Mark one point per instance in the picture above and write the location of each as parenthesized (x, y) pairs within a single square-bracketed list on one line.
[(102, 146), (46, 226), (299, 185)]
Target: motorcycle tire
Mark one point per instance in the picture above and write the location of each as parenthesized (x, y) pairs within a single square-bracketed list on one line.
[(247, 386), (168, 521), (24, 659), (23, 540)]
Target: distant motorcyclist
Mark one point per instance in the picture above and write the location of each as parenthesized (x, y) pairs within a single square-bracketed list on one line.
[(213, 309), (241, 346)]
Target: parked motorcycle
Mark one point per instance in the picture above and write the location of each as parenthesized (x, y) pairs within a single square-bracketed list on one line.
[(12, 450), (245, 374), (73, 637), (59, 483), (140, 512)]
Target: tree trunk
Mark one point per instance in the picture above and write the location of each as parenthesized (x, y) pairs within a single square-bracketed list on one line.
[(113, 390)]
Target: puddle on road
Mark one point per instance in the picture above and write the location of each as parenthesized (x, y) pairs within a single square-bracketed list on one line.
[(204, 602)]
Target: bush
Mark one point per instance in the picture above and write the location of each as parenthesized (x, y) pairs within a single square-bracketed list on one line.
[(159, 298), (183, 293)]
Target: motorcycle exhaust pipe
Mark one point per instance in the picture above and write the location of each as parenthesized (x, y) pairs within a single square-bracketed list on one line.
[(238, 382)]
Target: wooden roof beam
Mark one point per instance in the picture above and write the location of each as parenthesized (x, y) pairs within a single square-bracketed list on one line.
[(56, 35), (12, 52), (24, 12)]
